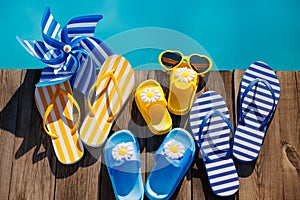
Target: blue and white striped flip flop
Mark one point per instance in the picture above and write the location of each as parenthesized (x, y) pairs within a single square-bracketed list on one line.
[(258, 96), (210, 124)]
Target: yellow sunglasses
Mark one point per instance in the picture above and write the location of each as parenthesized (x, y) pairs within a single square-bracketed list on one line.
[(173, 59)]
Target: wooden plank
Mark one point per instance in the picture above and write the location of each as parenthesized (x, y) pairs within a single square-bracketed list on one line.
[(247, 179), (80, 180), (137, 125), (288, 126), (33, 169), (153, 141), (135, 120), (274, 175), (184, 190), (9, 84), (220, 82), (131, 119), (197, 170), (30, 170), (105, 187)]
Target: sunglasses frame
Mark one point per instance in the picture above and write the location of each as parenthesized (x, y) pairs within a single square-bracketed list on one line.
[(183, 58)]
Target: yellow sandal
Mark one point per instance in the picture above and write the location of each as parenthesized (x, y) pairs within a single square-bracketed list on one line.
[(183, 87), (152, 104), (184, 78)]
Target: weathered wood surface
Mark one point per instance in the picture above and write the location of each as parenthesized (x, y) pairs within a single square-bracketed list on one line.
[(30, 170)]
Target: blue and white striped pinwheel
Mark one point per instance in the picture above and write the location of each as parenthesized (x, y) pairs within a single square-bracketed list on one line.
[(70, 52)]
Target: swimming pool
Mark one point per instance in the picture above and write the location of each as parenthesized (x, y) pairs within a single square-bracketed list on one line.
[(232, 33)]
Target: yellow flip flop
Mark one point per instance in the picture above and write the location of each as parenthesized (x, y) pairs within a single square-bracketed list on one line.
[(183, 87), (112, 88), (151, 102), (55, 104)]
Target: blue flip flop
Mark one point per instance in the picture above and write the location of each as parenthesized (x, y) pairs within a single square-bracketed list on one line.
[(122, 158), (258, 97), (172, 160), (210, 124)]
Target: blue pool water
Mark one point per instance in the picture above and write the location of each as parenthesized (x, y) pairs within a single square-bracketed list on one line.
[(233, 33)]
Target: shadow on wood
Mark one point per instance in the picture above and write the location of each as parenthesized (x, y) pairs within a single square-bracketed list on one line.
[(21, 118), (21, 109)]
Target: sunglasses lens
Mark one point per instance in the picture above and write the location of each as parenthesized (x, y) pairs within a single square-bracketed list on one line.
[(199, 63), (170, 59)]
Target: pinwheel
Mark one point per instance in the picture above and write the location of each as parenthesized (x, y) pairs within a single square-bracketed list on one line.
[(70, 52)]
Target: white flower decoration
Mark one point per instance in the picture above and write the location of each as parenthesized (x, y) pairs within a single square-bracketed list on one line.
[(149, 95), (185, 74), (174, 149), (123, 150)]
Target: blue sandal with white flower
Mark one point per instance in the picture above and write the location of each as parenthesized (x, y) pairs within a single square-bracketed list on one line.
[(122, 158), (172, 160), (151, 102)]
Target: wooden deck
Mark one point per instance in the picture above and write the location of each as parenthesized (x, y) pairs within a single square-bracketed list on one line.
[(30, 170)]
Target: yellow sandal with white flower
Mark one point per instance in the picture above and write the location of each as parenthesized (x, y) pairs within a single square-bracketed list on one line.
[(151, 102), (183, 87)]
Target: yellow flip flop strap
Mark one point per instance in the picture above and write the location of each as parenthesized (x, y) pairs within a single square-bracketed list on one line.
[(51, 105), (113, 78)]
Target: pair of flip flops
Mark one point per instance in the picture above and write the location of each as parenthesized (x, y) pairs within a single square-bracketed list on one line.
[(210, 123), (55, 103), (172, 160)]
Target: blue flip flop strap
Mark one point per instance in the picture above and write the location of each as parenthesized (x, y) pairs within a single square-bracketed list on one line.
[(253, 83), (111, 162), (175, 162), (204, 122)]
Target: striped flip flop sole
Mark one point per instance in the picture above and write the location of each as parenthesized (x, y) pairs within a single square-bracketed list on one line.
[(256, 106), (67, 147), (95, 129), (213, 141)]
